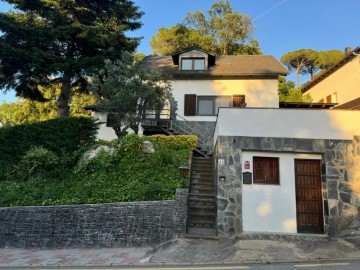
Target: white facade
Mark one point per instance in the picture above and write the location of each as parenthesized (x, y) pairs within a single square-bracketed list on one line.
[(104, 132), (272, 208), (288, 123), (260, 93)]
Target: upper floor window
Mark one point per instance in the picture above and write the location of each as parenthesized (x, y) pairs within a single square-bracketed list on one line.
[(193, 64), (209, 105)]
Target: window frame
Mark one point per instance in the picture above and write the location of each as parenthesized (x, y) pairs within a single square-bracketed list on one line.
[(266, 178), (193, 59), (213, 99)]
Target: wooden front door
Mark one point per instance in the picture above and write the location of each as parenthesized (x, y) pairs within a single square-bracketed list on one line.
[(309, 204)]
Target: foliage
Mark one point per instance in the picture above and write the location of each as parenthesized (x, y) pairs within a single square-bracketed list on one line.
[(66, 137), (127, 175), (295, 95), (222, 31), (57, 42), (285, 86), (178, 141), (327, 59), (36, 161), (308, 61), (300, 60), (129, 91), (28, 111)]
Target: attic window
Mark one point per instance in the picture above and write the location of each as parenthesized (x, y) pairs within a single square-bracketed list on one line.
[(193, 64)]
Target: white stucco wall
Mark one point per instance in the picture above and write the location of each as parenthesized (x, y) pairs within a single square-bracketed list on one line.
[(288, 123), (272, 208), (104, 132), (258, 93), (345, 82)]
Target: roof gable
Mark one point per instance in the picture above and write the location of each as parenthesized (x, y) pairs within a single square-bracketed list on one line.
[(176, 56)]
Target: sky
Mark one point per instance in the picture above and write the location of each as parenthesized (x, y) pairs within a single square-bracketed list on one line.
[(281, 26)]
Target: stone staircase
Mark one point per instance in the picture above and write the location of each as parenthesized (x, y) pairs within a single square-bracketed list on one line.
[(201, 221)]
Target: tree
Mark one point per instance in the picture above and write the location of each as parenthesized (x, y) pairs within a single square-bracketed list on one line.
[(301, 61), (129, 91), (285, 86), (327, 59), (308, 61), (295, 95), (62, 42), (176, 38), (28, 111), (222, 31)]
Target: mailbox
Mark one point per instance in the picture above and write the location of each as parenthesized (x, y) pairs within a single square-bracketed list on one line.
[(247, 178)]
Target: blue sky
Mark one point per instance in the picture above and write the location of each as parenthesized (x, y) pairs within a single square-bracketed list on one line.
[(281, 25)]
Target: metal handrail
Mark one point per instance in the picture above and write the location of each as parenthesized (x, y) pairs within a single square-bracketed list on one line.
[(186, 129)]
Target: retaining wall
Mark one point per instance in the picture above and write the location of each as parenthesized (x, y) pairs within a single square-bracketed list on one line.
[(93, 225)]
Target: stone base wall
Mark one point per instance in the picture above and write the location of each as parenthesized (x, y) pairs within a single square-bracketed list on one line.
[(98, 225), (340, 172), (204, 130)]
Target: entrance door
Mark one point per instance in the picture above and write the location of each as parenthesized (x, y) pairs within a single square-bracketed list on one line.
[(309, 205)]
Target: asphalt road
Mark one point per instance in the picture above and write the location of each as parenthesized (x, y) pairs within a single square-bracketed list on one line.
[(343, 265)]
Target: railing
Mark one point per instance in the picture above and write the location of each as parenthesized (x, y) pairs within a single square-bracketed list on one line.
[(165, 119)]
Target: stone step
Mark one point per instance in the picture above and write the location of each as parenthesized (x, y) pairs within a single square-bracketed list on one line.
[(202, 197), (206, 233), (201, 224), (201, 215), (202, 182), (201, 207)]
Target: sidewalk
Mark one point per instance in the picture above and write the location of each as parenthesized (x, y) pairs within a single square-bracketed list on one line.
[(73, 257), (245, 249)]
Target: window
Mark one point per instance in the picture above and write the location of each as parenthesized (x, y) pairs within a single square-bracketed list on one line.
[(266, 170), (209, 105), (111, 120), (193, 64)]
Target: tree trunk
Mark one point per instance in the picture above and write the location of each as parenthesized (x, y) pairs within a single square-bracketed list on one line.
[(298, 75), (65, 94)]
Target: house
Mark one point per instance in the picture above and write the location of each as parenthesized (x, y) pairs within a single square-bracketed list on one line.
[(203, 82), (340, 83), (279, 170)]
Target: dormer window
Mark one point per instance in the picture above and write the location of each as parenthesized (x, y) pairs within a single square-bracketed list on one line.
[(193, 64), (193, 59)]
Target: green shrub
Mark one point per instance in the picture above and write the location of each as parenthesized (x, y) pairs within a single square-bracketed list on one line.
[(63, 136), (176, 142), (36, 161), (127, 175)]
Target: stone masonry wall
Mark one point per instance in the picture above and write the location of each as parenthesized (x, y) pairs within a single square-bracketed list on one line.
[(340, 170), (98, 225)]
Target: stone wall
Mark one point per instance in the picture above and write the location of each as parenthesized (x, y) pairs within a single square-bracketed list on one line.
[(204, 130), (98, 225), (340, 163)]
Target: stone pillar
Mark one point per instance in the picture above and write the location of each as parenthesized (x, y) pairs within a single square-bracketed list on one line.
[(342, 172), (181, 211), (229, 187)]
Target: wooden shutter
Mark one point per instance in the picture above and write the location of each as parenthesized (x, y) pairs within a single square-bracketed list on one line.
[(266, 170), (190, 105), (238, 101), (328, 99)]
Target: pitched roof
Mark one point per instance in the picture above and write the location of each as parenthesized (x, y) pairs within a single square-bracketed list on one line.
[(346, 59), (229, 65), (351, 105)]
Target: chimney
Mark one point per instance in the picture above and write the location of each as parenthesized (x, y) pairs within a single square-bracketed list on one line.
[(347, 50)]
